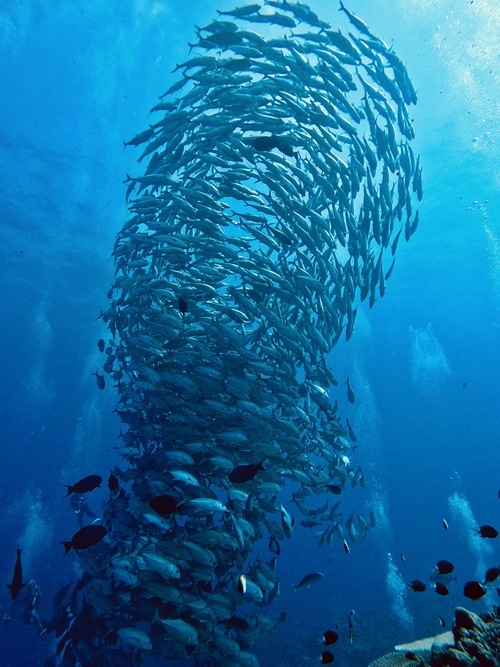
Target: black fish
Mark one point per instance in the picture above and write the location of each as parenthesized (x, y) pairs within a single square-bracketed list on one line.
[(112, 482), (336, 489), (86, 537), (235, 622), (486, 531), (444, 567), (264, 143), (327, 658), (474, 591), (412, 657), (84, 485), (100, 345), (17, 577), (491, 575), (183, 307), (164, 504), (441, 588), (417, 586), (101, 383), (243, 474), (330, 637)]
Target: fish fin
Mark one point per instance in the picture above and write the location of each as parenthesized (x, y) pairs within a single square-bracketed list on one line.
[(70, 490), (67, 546)]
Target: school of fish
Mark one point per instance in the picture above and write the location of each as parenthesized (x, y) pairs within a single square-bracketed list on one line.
[(279, 181)]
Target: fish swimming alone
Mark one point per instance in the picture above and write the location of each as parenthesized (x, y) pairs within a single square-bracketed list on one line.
[(86, 537), (277, 177), (85, 485), (17, 576)]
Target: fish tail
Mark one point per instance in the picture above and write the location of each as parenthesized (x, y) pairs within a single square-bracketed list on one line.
[(67, 546), (70, 490)]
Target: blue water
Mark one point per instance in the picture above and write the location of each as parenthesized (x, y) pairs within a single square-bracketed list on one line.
[(77, 79)]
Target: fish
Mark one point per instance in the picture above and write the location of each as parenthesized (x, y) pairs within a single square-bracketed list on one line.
[(245, 473), (403, 559), (491, 575), (442, 622), (310, 579), (85, 485), (351, 623), (330, 637), (474, 590), (327, 658), (100, 345), (350, 392), (440, 588), (486, 531), (17, 577), (346, 547), (417, 586), (164, 504), (100, 381), (113, 484), (445, 524), (86, 537), (444, 567)]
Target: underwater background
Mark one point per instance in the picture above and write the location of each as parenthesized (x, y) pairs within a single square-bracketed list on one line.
[(78, 80)]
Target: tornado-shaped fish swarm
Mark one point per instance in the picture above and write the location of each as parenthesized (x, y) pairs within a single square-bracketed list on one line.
[(278, 182)]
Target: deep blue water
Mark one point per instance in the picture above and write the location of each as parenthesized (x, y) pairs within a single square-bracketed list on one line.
[(77, 80)]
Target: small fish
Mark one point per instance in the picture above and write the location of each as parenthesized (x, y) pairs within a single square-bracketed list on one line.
[(17, 577), (327, 658), (100, 345), (474, 591), (274, 545), (164, 504), (310, 579), (352, 620), (441, 588), (84, 485), (352, 432), (100, 381), (403, 559), (444, 567), (336, 489), (491, 575), (86, 537), (350, 393), (282, 617), (445, 524), (242, 584), (442, 622), (409, 655), (243, 474), (183, 307), (330, 637), (346, 547), (417, 586), (113, 484), (486, 531)]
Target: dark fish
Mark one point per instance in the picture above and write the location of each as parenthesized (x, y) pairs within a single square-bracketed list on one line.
[(474, 591), (327, 658), (282, 617), (274, 545), (417, 586), (101, 383), (491, 575), (441, 588), (164, 504), (409, 655), (112, 482), (336, 489), (243, 474), (183, 307), (442, 621), (350, 393), (86, 537), (84, 485), (352, 432), (445, 524), (264, 143), (445, 567), (310, 579), (486, 531), (17, 577), (330, 637), (236, 623), (100, 345), (346, 547), (403, 559)]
